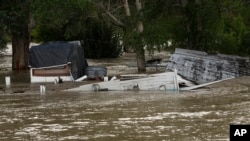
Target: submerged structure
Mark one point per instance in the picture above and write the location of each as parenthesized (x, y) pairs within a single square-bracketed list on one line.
[(56, 61), (167, 81), (201, 67)]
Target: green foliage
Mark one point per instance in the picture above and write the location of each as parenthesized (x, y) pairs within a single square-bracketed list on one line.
[(232, 29), (17, 16), (208, 25), (196, 26), (3, 32), (43, 33), (59, 20), (99, 41), (245, 44), (74, 20), (158, 24), (14, 17)]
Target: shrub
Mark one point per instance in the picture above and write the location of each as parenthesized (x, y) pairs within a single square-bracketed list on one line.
[(100, 41)]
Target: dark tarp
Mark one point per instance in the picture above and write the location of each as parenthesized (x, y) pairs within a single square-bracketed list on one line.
[(59, 53)]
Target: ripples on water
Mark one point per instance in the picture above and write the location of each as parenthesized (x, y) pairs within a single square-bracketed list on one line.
[(121, 116), (132, 115)]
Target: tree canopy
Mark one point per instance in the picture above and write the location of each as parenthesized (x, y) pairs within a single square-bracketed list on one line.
[(212, 26), (208, 25)]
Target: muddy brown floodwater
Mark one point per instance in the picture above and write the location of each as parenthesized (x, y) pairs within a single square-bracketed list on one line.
[(200, 115)]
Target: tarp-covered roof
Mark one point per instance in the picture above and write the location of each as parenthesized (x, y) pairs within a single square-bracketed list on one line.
[(59, 53)]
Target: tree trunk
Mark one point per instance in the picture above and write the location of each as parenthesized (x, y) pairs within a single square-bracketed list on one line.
[(127, 9), (140, 53), (140, 58), (20, 49)]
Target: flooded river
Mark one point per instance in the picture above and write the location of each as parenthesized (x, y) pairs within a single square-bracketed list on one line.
[(201, 115), (121, 116)]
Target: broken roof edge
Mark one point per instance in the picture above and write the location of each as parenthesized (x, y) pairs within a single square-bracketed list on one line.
[(204, 54), (188, 51)]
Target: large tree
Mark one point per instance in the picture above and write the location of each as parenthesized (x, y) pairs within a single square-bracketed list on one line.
[(130, 21), (17, 18), (140, 21)]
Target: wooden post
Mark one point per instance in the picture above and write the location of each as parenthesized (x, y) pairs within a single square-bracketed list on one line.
[(7, 81)]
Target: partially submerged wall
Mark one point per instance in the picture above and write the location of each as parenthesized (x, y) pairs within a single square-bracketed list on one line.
[(201, 67)]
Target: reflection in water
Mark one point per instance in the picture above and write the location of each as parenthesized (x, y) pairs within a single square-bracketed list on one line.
[(121, 116)]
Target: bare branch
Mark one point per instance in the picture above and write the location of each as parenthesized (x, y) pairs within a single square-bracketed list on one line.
[(117, 8), (115, 19)]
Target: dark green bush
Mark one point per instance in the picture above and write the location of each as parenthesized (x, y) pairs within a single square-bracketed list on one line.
[(3, 34), (100, 41)]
